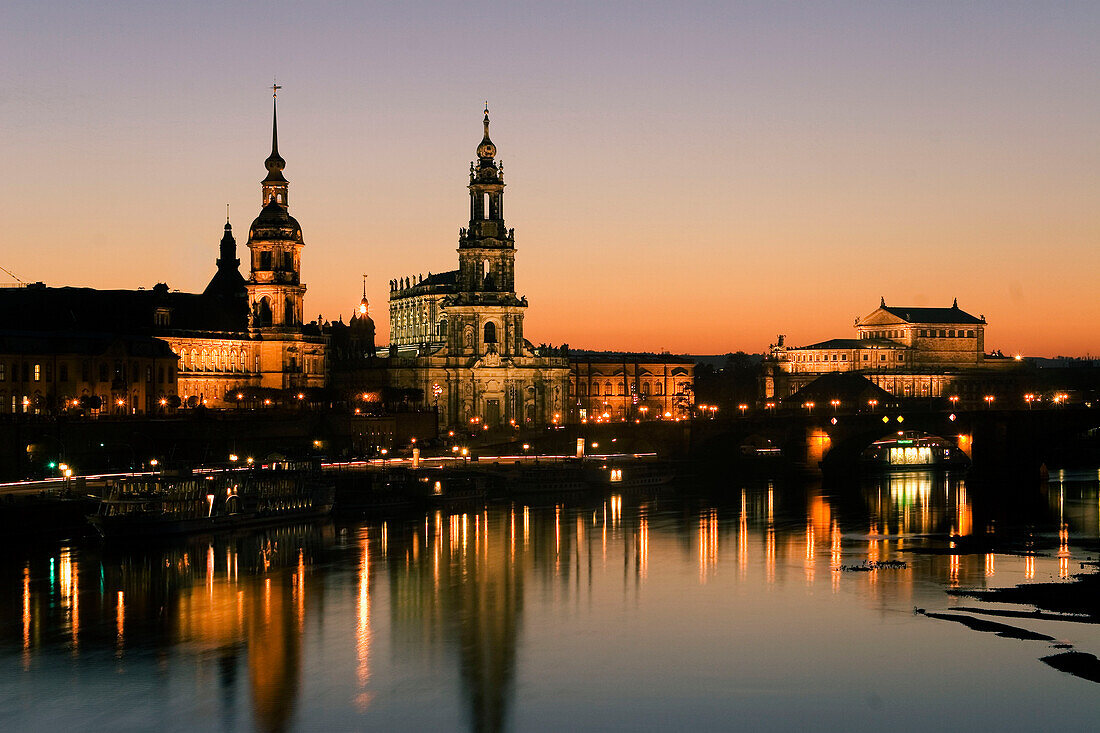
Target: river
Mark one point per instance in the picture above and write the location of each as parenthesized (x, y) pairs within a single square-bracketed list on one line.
[(720, 605)]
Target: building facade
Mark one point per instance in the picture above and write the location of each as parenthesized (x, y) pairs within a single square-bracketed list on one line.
[(907, 351), (55, 373), (236, 334), (621, 386), (458, 335)]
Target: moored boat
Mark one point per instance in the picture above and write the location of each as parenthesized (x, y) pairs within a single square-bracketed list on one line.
[(156, 506)]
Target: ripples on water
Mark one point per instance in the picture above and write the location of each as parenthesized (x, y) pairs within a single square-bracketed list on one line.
[(718, 607)]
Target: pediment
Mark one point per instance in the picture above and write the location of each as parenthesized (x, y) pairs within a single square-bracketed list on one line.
[(879, 317)]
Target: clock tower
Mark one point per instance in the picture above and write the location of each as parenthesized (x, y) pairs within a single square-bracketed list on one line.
[(486, 317)]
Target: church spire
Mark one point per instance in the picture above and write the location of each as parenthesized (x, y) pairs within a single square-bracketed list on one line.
[(274, 162), (275, 185)]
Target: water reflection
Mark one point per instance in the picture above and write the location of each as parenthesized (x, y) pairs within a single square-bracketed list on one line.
[(315, 626)]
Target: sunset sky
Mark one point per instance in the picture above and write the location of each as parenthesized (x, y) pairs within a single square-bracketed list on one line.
[(695, 177)]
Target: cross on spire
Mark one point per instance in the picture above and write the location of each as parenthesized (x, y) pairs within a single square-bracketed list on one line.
[(275, 89), (364, 286)]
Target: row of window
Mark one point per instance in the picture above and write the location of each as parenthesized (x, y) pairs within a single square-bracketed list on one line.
[(921, 333), (950, 333), (39, 403), (221, 360), (612, 389), (43, 372), (865, 356)]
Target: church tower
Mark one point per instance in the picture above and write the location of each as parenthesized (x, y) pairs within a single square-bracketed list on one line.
[(486, 316), (227, 281), (275, 289)]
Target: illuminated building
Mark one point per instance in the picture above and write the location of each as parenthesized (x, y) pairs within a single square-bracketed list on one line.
[(907, 351), (630, 386), (236, 334), (51, 373), (458, 336)]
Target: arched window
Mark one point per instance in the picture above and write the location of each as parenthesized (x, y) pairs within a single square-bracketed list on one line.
[(645, 389), (193, 364), (263, 312), (288, 312), (442, 332), (203, 360), (582, 389), (490, 333), (608, 389), (658, 388), (596, 389)]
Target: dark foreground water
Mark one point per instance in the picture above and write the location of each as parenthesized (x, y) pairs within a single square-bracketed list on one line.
[(730, 607)]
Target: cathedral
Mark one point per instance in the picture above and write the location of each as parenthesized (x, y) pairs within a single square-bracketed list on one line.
[(458, 335), (237, 339)]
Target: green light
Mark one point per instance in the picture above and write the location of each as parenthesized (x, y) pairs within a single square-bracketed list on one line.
[(52, 464)]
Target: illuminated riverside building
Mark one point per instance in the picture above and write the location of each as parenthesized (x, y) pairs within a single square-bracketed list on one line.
[(70, 372), (458, 336), (235, 334), (907, 351), (619, 386)]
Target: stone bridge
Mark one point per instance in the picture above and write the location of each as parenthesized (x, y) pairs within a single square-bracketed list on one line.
[(998, 442)]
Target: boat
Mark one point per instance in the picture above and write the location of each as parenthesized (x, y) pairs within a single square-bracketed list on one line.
[(625, 475), (157, 506)]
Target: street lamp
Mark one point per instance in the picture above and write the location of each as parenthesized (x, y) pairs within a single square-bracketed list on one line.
[(873, 404), (384, 453), (770, 406), (835, 403), (713, 409), (809, 407), (742, 407), (954, 399), (988, 401), (1029, 398)]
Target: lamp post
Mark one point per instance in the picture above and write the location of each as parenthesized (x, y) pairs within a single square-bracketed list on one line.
[(954, 399), (1029, 398), (989, 401), (873, 404), (809, 407), (835, 403)]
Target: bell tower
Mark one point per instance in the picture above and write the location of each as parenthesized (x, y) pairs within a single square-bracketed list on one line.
[(486, 249), (485, 316), (275, 289)]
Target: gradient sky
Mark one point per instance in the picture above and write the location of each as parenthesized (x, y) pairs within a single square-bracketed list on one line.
[(695, 177)]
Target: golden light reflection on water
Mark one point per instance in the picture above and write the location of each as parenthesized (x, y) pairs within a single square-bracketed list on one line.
[(362, 625), (461, 600), (743, 537), (26, 617)]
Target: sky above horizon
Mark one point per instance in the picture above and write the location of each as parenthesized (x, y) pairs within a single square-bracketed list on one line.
[(696, 177)]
